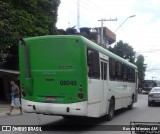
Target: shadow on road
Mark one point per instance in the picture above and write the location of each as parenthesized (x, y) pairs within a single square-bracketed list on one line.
[(82, 124)]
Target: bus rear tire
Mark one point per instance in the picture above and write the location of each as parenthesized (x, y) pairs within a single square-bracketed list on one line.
[(110, 114)]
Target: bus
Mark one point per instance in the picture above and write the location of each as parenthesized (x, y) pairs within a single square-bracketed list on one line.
[(69, 75), (148, 85)]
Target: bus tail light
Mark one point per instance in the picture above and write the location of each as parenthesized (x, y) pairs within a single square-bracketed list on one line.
[(80, 95), (81, 90), (29, 105), (23, 92)]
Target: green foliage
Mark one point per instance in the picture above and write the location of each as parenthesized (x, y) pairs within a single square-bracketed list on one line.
[(124, 50), (26, 18), (141, 68)]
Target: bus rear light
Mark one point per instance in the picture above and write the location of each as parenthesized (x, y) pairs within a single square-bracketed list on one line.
[(80, 90), (78, 109), (29, 105), (80, 96)]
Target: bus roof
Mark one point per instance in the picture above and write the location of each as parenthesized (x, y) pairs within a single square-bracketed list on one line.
[(107, 52), (90, 44)]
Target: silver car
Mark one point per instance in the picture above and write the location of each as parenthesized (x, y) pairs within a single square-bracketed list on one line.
[(154, 96)]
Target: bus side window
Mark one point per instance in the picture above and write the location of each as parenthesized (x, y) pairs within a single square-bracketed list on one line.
[(124, 72), (102, 72), (119, 71), (129, 74), (112, 71), (89, 62), (105, 71), (132, 75), (93, 63)]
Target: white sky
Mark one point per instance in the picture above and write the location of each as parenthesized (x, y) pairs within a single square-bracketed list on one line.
[(141, 32)]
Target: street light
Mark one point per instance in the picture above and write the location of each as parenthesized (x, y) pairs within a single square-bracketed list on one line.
[(124, 21)]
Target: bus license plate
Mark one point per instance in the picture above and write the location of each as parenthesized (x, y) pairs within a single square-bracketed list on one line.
[(50, 99)]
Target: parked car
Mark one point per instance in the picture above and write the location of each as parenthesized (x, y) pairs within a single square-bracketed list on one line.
[(154, 96)]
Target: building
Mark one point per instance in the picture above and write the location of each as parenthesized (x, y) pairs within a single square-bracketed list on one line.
[(108, 37), (93, 34)]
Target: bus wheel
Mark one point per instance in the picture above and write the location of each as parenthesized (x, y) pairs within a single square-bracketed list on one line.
[(131, 105), (110, 114)]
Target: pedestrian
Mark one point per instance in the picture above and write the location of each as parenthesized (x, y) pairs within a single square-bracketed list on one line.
[(15, 97)]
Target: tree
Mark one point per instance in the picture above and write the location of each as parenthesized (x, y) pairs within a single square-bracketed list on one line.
[(124, 50), (26, 18), (141, 68)]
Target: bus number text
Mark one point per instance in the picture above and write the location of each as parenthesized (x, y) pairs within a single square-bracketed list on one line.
[(67, 83)]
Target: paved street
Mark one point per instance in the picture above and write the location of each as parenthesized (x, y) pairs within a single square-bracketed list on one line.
[(140, 112)]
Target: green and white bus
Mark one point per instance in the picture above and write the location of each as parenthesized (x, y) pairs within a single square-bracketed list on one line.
[(70, 75)]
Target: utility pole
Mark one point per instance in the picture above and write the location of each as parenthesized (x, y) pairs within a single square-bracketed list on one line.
[(102, 21), (78, 15)]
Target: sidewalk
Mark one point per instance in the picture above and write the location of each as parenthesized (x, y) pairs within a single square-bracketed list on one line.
[(5, 108)]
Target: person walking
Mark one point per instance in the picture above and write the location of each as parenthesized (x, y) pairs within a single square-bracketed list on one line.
[(15, 98)]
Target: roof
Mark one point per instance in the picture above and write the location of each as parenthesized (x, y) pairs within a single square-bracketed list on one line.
[(88, 43), (107, 52), (10, 71)]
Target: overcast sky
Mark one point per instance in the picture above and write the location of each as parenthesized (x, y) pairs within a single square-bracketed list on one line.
[(142, 32)]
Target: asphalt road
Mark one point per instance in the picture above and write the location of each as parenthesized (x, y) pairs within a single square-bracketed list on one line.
[(140, 113)]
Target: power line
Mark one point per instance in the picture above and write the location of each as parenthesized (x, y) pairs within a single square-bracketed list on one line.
[(85, 3), (83, 7), (80, 5), (149, 51), (89, 4), (92, 3)]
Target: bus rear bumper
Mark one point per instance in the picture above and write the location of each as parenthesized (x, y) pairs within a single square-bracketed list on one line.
[(76, 109)]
